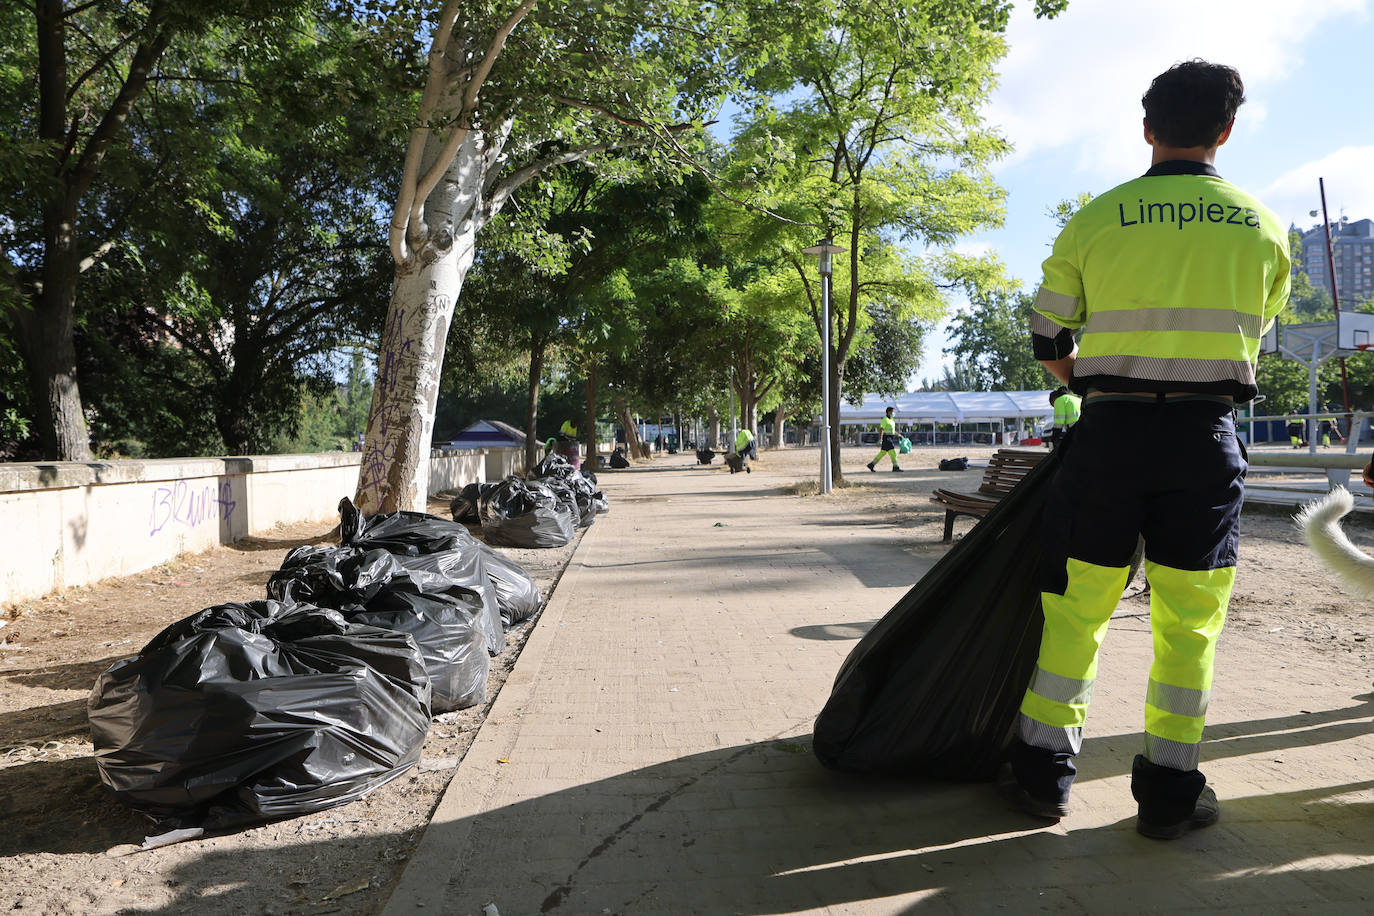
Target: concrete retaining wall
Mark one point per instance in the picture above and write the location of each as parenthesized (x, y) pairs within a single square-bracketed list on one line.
[(67, 524)]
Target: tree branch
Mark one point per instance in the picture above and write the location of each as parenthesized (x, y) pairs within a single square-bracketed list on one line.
[(398, 234), (426, 183), (145, 57)]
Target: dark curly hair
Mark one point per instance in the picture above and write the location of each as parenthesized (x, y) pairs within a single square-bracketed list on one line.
[(1191, 103)]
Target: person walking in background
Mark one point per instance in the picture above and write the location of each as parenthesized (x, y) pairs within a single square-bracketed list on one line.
[(1295, 432), (1329, 428), (1067, 407), (888, 445), (1172, 277)]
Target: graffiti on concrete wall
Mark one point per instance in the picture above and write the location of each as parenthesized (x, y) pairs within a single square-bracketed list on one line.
[(187, 505)]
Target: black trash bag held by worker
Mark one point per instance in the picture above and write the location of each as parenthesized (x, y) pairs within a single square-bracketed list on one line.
[(429, 597), (934, 688), (418, 534), (244, 713), (521, 513)]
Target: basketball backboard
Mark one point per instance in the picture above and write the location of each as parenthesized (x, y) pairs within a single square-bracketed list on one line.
[(1354, 331), (1310, 342)]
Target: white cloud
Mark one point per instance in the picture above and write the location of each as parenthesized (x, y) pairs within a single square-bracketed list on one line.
[(1074, 83), (1349, 175), (974, 248)]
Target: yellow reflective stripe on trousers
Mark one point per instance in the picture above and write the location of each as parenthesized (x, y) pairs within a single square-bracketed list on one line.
[(1187, 612), (1075, 623), (1180, 755)]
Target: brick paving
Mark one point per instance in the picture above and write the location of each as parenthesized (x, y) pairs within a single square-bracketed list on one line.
[(650, 752)]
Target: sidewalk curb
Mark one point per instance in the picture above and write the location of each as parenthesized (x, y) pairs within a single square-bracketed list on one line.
[(424, 883)]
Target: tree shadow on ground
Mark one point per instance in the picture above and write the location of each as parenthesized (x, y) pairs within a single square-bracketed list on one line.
[(38, 724), (72, 676), (763, 828)]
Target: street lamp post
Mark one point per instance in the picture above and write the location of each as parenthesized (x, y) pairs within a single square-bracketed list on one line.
[(824, 249)]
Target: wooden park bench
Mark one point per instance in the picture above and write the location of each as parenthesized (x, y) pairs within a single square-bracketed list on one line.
[(1005, 470)]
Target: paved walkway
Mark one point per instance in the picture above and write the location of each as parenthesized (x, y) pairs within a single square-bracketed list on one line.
[(651, 751)]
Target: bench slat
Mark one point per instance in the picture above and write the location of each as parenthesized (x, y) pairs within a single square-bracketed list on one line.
[(1006, 468)]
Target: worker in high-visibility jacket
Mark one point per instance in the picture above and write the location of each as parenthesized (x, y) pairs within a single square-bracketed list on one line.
[(744, 443), (888, 445), (1171, 278), (567, 444), (1067, 407), (1295, 432)]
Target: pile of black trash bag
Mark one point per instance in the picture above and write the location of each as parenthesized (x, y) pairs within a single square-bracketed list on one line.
[(542, 509), (244, 713)]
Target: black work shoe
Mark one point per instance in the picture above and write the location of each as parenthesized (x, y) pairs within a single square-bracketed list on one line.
[(1010, 788), (871, 467), (1206, 812), (895, 468)]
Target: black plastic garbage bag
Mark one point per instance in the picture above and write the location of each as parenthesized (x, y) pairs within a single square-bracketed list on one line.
[(526, 513), (464, 506), (566, 497), (588, 474), (415, 533), (933, 689), (618, 459), (430, 597), (705, 456), (517, 594), (553, 465), (410, 533), (418, 534), (600, 502), (578, 494), (243, 713)]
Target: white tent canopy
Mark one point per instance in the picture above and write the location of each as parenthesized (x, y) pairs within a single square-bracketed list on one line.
[(951, 407)]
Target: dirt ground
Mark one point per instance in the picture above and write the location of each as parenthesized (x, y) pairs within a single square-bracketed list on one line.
[(63, 832)]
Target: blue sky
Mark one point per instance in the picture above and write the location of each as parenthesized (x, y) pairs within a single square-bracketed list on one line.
[(1069, 101)]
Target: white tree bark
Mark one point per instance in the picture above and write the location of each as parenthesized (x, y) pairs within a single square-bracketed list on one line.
[(395, 466)]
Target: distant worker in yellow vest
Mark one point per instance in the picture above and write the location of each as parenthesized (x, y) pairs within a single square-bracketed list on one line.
[(1295, 432), (744, 444), (1066, 409), (1172, 278), (567, 445), (888, 445)]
